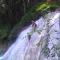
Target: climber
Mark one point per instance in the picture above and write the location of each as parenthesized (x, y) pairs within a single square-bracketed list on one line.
[(33, 30), (34, 25)]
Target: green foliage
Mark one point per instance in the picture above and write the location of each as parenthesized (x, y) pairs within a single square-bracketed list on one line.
[(4, 31), (40, 8)]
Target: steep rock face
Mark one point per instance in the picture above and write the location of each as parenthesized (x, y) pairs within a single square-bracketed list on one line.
[(42, 43), (45, 48)]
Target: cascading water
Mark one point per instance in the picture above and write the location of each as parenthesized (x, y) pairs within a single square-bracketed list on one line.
[(42, 43)]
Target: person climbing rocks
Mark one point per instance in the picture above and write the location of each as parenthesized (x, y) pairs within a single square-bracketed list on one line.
[(34, 25)]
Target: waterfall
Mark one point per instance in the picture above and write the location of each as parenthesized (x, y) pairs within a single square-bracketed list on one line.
[(38, 47)]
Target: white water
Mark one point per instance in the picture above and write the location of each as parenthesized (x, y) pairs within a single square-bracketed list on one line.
[(23, 49)]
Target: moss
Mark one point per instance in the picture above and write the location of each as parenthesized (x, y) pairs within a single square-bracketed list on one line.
[(41, 7)]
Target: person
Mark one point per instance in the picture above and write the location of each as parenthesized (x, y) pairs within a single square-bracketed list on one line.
[(34, 25)]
